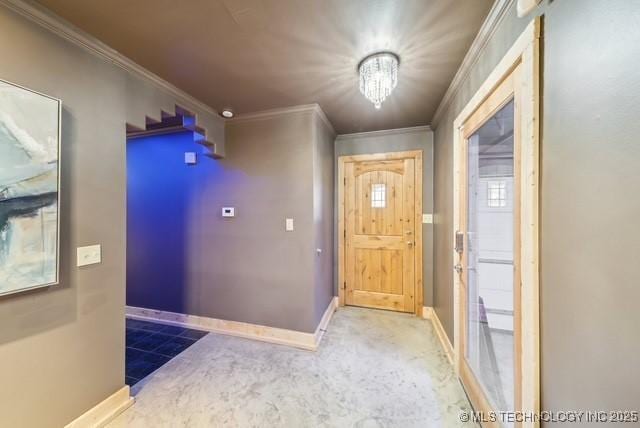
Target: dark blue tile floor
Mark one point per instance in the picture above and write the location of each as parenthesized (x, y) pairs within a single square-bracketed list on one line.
[(150, 345)]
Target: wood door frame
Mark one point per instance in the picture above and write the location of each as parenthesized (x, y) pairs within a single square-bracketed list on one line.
[(524, 54), (501, 95), (412, 154)]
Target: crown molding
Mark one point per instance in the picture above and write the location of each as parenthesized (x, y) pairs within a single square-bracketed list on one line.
[(57, 25), (492, 21), (383, 132), (274, 112), (324, 119)]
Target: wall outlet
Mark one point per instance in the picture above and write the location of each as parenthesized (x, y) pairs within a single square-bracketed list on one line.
[(89, 255), (427, 218), (288, 225), (228, 212)]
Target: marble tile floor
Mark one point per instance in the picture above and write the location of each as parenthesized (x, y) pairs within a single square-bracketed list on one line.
[(150, 345), (373, 369)]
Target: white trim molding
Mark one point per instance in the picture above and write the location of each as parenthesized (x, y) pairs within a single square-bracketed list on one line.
[(324, 321), (323, 117), (274, 112), (280, 336), (526, 6), (105, 411), (429, 313), (492, 21), (47, 19), (383, 132)]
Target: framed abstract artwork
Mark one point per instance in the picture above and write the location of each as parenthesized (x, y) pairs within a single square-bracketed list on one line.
[(29, 189)]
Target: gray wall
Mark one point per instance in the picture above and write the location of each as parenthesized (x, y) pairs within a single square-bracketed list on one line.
[(251, 269), (62, 348), (248, 268), (589, 205), (419, 138), (323, 220)]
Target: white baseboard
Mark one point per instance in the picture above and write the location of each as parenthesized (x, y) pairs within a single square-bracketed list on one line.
[(297, 339), (105, 411), (429, 313), (324, 321)]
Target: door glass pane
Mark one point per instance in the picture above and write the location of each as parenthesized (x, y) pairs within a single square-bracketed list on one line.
[(490, 303), (378, 196)]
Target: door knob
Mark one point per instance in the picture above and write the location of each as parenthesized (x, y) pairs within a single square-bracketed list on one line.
[(458, 268)]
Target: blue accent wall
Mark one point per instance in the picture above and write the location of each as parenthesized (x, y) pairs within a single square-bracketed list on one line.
[(162, 193)]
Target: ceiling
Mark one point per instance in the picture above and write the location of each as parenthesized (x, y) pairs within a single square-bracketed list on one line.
[(254, 55)]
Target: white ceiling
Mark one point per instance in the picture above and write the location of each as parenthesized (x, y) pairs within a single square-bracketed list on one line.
[(253, 55)]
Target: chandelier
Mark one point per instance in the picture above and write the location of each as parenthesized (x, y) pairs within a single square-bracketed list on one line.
[(378, 76)]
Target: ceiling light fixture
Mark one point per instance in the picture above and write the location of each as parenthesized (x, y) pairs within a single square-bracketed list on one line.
[(227, 112), (378, 76)]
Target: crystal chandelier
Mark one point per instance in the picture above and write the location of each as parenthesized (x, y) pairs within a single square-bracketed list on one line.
[(378, 76)]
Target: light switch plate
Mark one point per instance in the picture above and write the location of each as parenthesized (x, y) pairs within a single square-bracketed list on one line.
[(228, 212), (89, 255), (427, 218), (289, 225)]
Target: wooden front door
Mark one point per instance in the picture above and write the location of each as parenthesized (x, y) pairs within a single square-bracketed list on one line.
[(382, 200)]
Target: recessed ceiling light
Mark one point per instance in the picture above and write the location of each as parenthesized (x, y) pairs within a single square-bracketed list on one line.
[(227, 112)]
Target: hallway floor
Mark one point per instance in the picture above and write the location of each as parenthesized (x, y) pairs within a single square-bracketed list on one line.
[(373, 369), (150, 345)]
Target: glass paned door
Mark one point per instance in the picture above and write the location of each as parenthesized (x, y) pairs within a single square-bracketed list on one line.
[(490, 219), (496, 242)]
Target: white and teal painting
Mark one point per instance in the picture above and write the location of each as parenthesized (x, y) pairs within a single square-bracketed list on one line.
[(29, 188)]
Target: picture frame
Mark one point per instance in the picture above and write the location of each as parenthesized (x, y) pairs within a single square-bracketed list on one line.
[(30, 181)]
